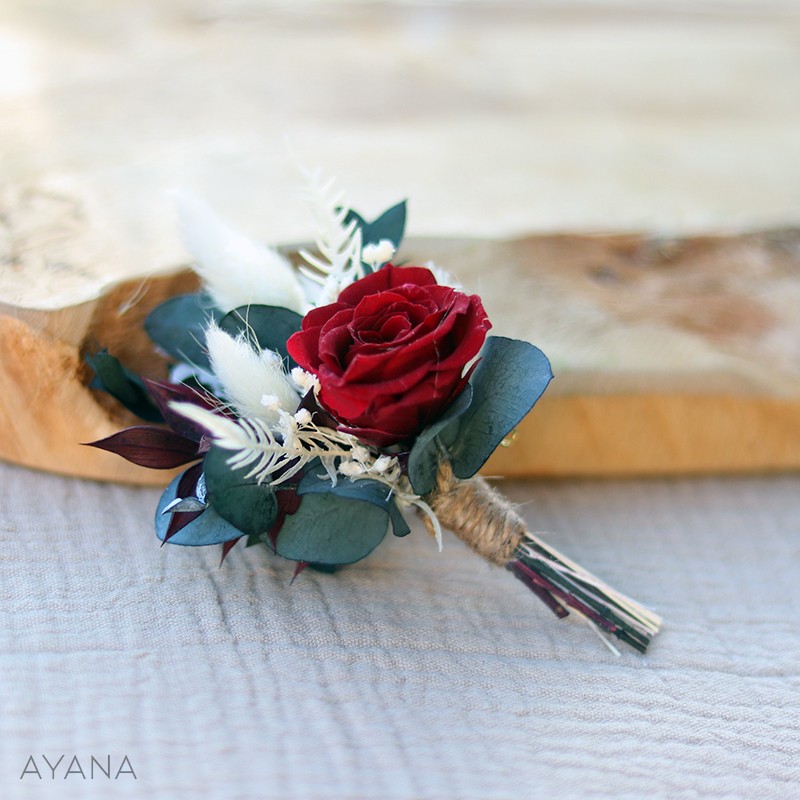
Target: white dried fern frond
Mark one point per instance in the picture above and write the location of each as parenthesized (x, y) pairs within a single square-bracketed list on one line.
[(236, 270), (295, 441), (252, 441), (287, 446), (254, 381), (339, 244)]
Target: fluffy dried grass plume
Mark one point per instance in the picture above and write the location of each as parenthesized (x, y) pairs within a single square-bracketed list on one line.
[(236, 270), (254, 380)]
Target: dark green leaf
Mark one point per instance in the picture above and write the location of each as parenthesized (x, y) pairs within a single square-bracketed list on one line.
[(315, 481), (328, 569), (208, 528), (331, 529), (423, 461), (510, 377), (124, 385), (354, 215), (271, 326), (178, 327), (389, 225), (243, 502), (399, 524)]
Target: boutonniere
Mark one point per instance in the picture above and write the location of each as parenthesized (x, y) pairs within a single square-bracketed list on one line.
[(315, 408)]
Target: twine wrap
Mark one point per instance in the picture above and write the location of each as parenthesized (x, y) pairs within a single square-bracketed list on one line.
[(477, 514)]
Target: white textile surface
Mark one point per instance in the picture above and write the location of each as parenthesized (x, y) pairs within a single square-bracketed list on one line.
[(412, 674)]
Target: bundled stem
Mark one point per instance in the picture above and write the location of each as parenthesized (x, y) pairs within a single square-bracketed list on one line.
[(488, 523)]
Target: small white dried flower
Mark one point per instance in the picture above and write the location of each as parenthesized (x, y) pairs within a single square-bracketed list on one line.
[(270, 402), (382, 464), (305, 381), (303, 416), (377, 254), (360, 453), (350, 468)]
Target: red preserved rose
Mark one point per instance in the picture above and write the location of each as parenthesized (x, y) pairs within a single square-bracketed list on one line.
[(390, 353)]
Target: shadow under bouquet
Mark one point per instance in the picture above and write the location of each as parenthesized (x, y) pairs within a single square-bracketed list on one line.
[(314, 409)]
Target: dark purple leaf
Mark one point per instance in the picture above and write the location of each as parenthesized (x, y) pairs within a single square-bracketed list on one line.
[(318, 414), (164, 393), (226, 548), (299, 567), (523, 573), (148, 446), (559, 597), (288, 503)]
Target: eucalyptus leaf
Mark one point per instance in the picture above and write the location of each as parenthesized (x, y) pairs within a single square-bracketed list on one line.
[(178, 327), (271, 326), (208, 528), (359, 220), (247, 505), (332, 529), (423, 460), (389, 225), (510, 377), (316, 481), (126, 386), (399, 525)]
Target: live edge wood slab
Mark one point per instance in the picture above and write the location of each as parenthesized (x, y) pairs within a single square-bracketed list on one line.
[(671, 355)]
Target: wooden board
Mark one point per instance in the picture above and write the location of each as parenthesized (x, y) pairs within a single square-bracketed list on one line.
[(671, 354), (676, 355)]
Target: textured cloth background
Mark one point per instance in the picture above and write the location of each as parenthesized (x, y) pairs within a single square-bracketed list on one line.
[(409, 675)]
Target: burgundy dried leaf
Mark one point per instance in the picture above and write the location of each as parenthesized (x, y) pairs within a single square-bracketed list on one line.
[(299, 567), (554, 597), (163, 393), (180, 519), (524, 574), (148, 446), (226, 548), (288, 503)]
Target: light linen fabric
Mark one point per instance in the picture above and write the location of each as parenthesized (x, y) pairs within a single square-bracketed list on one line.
[(412, 674)]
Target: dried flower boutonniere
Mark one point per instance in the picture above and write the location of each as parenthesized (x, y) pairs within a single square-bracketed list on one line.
[(316, 408)]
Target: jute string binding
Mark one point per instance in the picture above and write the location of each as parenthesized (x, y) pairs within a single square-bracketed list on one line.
[(477, 514)]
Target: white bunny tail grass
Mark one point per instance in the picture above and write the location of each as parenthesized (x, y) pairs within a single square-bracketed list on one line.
[(236, 270), (255, 382)]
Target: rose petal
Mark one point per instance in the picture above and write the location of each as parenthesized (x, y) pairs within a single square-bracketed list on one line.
[(385, 278), (390, 353)]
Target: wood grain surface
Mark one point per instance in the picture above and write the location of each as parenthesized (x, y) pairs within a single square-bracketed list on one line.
[(673, 351), (671, 355)]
